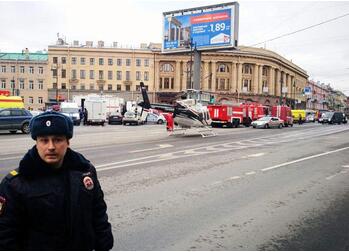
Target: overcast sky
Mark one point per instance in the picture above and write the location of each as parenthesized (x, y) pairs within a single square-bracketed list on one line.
[(322, 51)]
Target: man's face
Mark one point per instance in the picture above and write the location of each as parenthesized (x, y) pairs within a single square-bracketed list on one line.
[(52, 149)]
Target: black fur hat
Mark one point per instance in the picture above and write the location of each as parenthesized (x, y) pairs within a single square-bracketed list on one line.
[(51, 123)]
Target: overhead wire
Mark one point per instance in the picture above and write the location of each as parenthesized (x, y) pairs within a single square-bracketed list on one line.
[(303, 29)]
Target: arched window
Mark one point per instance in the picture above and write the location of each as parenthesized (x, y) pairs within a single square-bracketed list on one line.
[(265, 71), (247, 69), (167, 67), (222, 68)]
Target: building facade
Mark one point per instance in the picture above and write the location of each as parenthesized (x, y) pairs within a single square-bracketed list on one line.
[(243, 75), (26, 75)]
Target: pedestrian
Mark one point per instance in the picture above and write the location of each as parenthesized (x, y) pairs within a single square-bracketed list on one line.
[(81, 114), (85, 116), (53, 201), (300, 119)]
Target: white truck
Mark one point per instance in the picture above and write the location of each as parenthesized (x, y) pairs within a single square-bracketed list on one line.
[(96, 111), (71, 109), (114, 105)]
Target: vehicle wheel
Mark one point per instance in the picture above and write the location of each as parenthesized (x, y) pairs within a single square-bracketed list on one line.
[(25, 128), (123, 123), (13, 131), (280, 126), (254, 127), (266, 126), (160, 121), (291, 125)]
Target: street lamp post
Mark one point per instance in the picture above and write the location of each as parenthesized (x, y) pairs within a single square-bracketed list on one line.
[(191, 62)]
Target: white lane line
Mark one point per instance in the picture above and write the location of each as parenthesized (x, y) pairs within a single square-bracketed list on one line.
[(233, 178), (331, 177), (216, 183), (250, 173), (256, 155), (9, 158), (303, 159), (161, 146), (345, 166)]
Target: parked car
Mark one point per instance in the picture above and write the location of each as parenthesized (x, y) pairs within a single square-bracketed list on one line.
[(337, 117), (154, 118), (130, 118), (14, 119), (345, 119), (325, 117), (115, 119), (268, 122)]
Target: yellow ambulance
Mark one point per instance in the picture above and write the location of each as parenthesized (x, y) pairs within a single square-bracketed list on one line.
[(11, 102), (298, 113)]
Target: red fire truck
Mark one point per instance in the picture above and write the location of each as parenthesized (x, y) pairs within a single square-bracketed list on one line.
[(284, 113), (234, 115)]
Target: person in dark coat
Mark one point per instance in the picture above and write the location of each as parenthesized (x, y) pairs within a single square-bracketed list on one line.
[(85, 116), (53, 201)]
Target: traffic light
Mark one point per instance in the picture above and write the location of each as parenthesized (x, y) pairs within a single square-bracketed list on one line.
[(211, 98)]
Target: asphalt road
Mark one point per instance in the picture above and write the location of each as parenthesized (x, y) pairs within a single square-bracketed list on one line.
[(244, 189)]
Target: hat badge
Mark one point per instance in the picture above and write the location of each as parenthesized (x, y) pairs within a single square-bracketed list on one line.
[(88, 183), (48, 123)]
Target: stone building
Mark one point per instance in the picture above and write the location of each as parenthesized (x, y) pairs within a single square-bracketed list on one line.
[(25, 74), (244, 75)]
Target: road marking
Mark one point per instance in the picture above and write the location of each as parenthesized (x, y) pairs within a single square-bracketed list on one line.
[(256, 155), (161, 146), (303, 159), (216, 183), (9, 158), (345, 166), (250, 173), (233, 178), (331, 177)]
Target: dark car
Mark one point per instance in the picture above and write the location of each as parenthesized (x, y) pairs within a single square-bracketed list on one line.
[(337, 117), (13, 119), (115, 119)]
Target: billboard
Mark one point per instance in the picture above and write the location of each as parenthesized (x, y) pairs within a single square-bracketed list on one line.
[(204, 28)]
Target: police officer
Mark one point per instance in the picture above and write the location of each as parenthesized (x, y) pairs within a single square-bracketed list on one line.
[(53, 201)]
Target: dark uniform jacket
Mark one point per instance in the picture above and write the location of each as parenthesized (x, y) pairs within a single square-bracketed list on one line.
[(49, 209)]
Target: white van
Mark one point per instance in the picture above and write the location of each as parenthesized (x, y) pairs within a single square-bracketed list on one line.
[(71, 109)]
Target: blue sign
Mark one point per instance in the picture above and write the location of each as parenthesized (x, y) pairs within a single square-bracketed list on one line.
[(307, 90), (201, 30)]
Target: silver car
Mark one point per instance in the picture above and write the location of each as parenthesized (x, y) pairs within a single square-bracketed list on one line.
[(267, 122), (131, 118)]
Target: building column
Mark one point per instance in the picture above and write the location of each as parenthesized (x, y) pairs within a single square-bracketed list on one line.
[(255, 79), (271, 81), (157, 75), (239, 77), (233, 86), (184, 75), (214, 75), (289, 85), (177, 87), (260, 80), (277, 82), (206, 76)]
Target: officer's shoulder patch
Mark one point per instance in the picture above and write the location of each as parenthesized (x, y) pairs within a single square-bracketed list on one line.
[(12, 174)]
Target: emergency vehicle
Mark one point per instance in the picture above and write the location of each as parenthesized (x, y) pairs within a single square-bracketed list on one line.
[(226, 115), (234, 115), (284, 113), (298, 114), (7, 101)]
